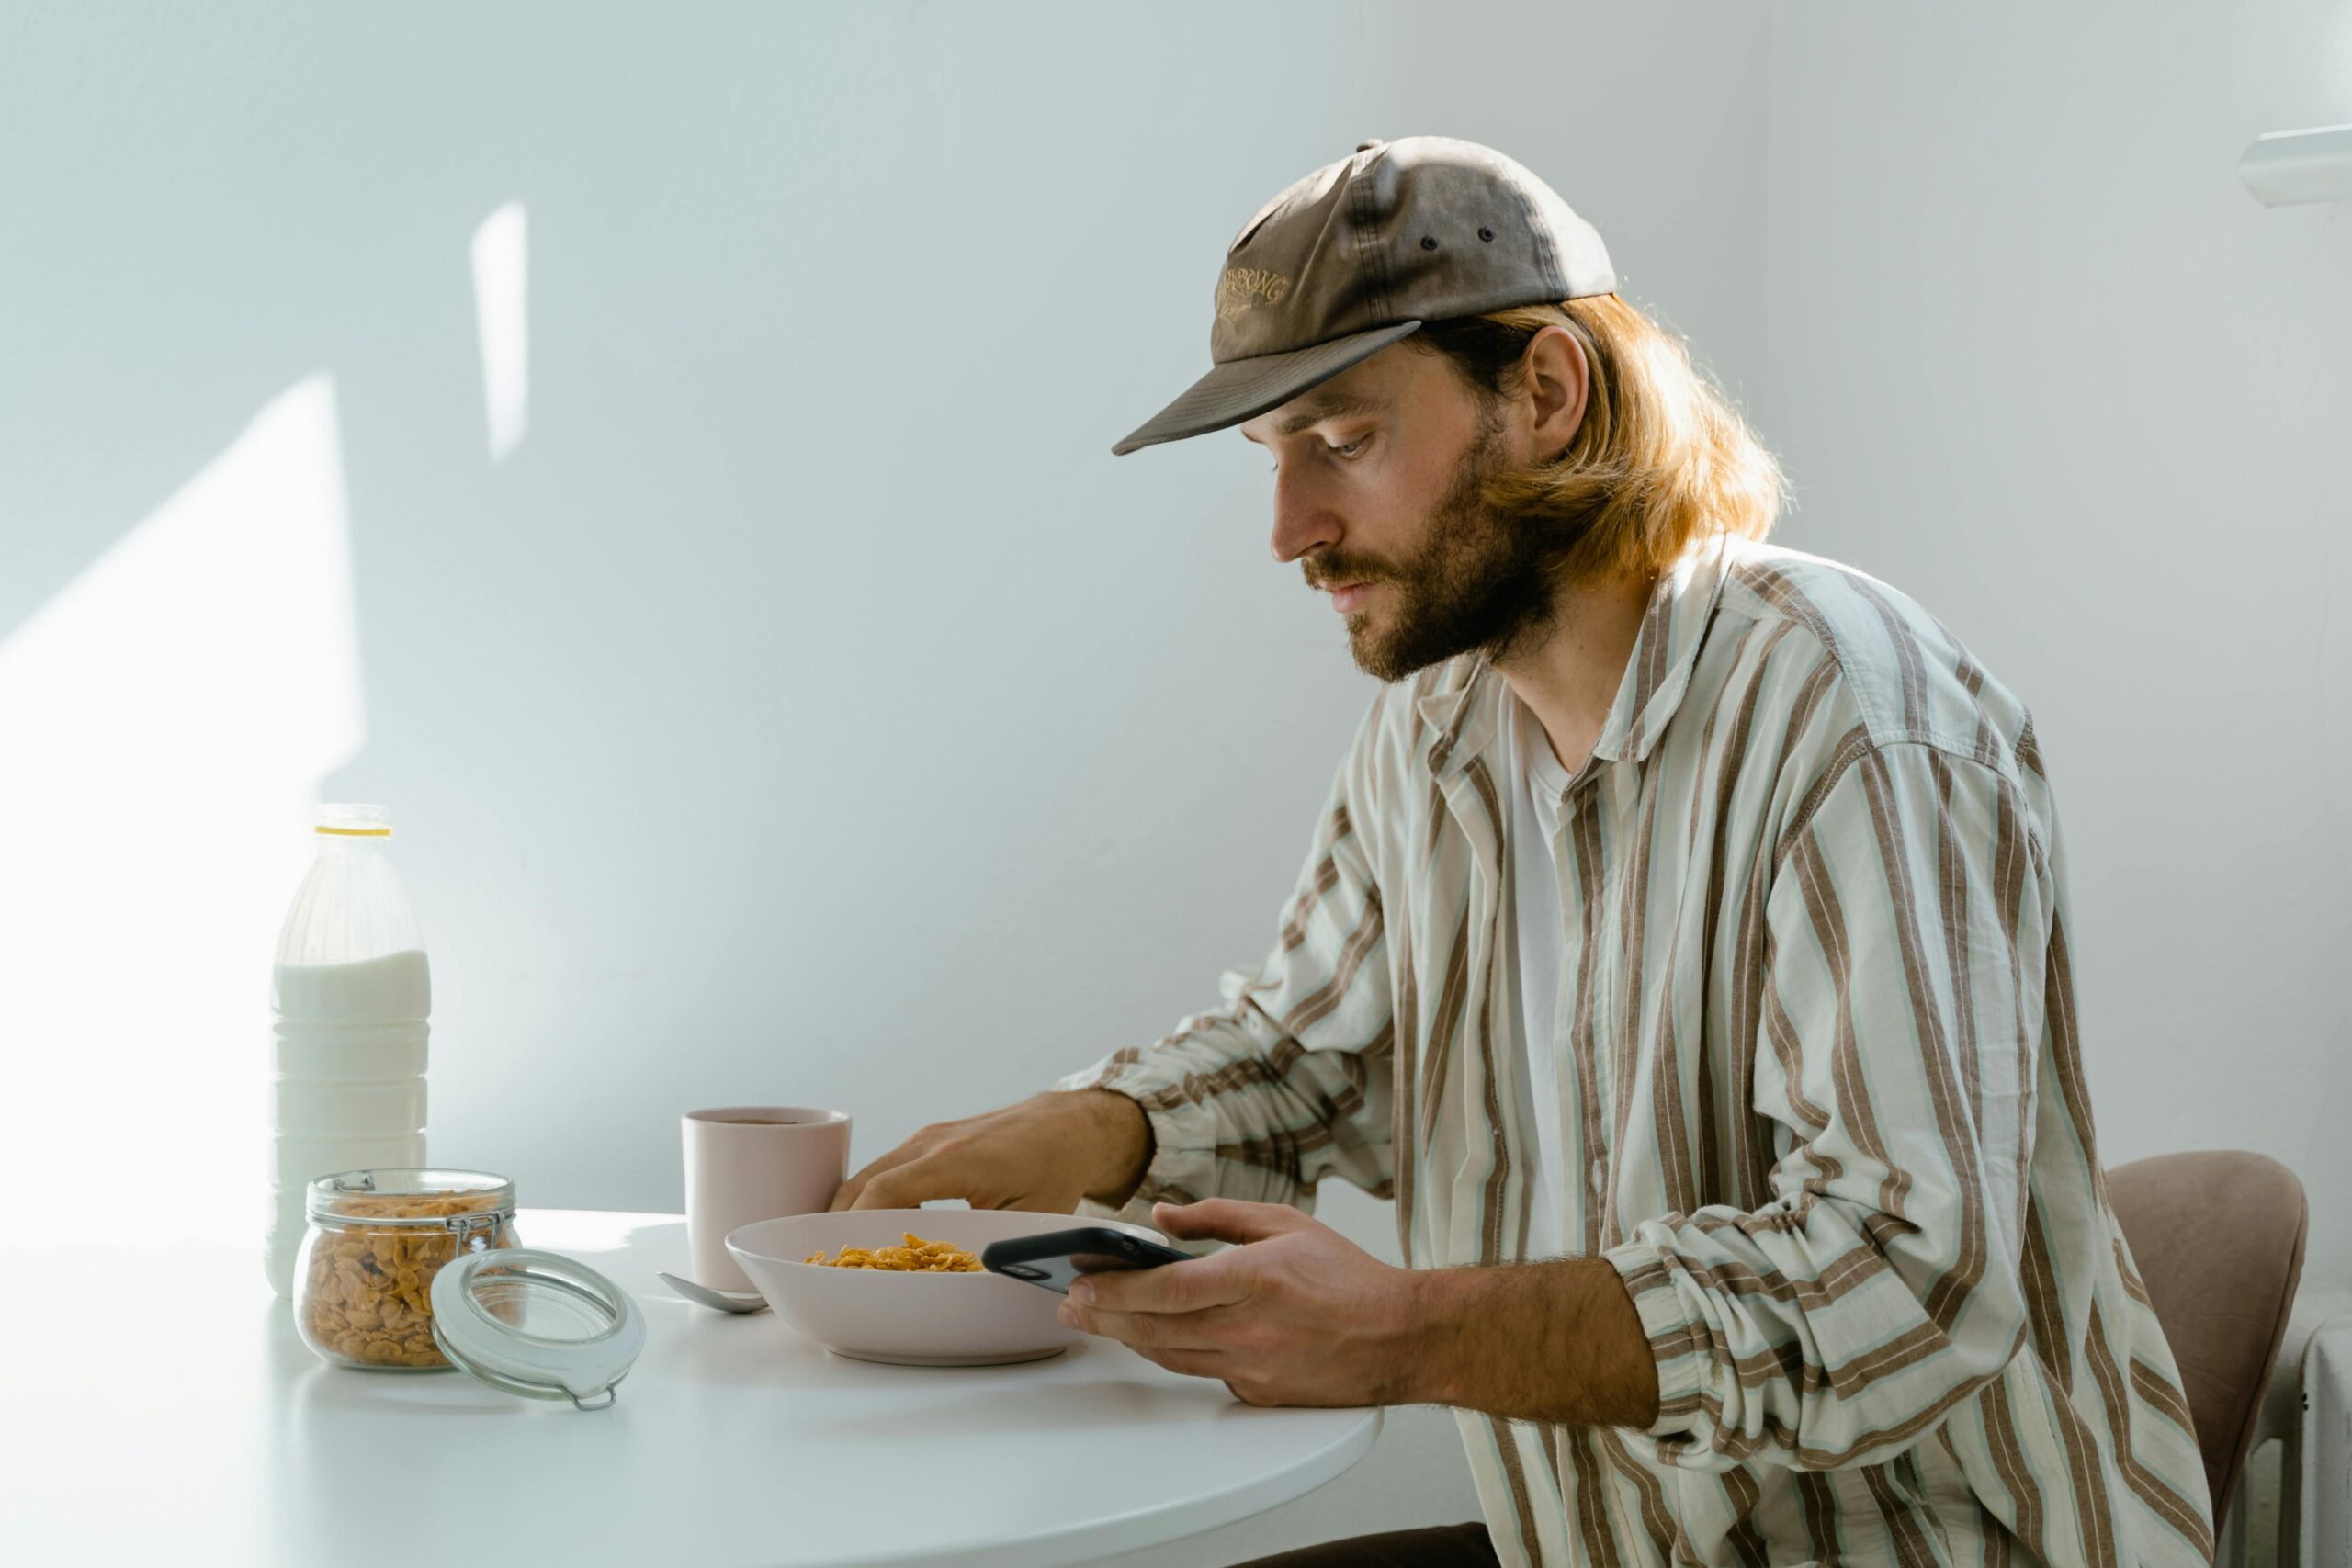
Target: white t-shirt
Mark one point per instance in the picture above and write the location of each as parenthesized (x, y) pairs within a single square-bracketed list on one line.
[(1539, 945)]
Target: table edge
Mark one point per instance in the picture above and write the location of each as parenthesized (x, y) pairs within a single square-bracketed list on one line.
[(1140, 1529)]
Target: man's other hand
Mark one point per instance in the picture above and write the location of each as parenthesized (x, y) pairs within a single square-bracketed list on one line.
[(1044, 1154)]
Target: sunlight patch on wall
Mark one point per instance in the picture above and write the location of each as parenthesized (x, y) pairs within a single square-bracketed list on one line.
[(167, 718), (503, 321)]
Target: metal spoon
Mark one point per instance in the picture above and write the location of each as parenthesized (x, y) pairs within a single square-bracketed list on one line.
[(725, 1300)]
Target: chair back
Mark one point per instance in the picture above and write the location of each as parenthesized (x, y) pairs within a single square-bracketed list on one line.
[(2217, 1239)]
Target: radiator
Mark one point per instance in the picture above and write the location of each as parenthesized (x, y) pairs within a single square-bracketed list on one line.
[(2298, 1511), (2315, 1508)]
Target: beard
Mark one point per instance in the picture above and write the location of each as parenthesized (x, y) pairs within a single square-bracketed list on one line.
[(1479, 580)]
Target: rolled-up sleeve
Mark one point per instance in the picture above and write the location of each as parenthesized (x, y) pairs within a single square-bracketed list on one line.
[(1901, 1017), (1288, 1081)]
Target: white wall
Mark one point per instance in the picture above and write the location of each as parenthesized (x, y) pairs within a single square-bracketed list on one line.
[(810, 709), (2038, 357)]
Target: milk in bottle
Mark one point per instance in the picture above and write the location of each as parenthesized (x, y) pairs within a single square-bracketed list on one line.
[(351, 991)]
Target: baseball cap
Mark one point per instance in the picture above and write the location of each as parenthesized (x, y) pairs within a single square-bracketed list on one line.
[(1359, 254)]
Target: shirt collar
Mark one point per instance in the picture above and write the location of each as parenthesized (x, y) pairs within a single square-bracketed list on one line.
[(1463, 721)]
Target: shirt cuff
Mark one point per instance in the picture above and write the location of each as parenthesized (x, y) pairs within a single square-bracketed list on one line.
[(1678, 1341), (1183, 1155)]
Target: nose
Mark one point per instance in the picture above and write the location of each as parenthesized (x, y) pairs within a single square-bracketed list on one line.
[(1301, 521)]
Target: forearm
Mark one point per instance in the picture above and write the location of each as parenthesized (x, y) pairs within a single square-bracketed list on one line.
[(1554, 1342), (1122, 1134)]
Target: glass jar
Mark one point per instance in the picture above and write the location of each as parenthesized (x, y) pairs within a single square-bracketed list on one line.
[(362, 1279)]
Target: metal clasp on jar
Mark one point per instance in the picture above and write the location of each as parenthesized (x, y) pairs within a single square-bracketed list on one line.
[(476, 1232)]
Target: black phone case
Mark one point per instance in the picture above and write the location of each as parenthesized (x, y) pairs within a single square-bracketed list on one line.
[(1051, 1261)]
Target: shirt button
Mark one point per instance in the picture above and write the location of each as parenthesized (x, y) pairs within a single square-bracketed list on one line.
[(1600, 1174)]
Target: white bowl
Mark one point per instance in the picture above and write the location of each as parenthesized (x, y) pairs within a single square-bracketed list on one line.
[(919, 1320)]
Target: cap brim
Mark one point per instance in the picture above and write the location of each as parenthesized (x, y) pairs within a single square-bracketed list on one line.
[(1244, 388)]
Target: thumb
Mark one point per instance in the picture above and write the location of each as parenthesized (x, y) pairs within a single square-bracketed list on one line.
[(1225, 1219)]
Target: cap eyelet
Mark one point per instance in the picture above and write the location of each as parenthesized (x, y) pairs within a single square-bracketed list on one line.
[(1485, 233), (1429, 242)]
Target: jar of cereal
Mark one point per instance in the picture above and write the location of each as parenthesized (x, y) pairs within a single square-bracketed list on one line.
[(362, 1279)]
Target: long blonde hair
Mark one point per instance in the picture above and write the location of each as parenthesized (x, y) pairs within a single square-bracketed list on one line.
[(1662, 459)]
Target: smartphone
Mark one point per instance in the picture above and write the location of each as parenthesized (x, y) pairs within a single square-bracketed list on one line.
[(1056, 1258)]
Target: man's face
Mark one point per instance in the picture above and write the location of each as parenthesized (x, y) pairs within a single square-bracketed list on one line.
[(1379, 472)]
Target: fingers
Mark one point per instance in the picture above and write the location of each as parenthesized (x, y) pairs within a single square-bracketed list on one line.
[(1191, 1363), (909, 1186), (1143, 1330), (854, 1188), (1218, 1331), (1196, 1286), (846, 1195), (1198, 1345), (1226, 1219)]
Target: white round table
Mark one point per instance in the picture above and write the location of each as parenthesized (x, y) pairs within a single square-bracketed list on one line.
[(157, 1406)]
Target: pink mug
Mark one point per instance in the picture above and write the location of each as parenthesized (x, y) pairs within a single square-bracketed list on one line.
[(755, 1162)]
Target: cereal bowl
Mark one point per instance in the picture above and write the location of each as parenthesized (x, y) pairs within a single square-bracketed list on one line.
[(919, 1320)]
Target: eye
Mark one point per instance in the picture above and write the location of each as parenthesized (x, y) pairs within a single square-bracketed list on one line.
[(1349, 450)]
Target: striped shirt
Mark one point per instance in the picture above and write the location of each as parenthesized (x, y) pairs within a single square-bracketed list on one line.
[(1819, 1088)]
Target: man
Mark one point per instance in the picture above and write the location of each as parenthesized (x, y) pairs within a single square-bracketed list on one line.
[(1683, 947)]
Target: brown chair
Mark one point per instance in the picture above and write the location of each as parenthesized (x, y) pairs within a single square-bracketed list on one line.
[(2218, 1237)]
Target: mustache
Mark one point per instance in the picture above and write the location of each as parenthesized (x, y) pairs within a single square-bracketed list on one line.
[(1323, 572)]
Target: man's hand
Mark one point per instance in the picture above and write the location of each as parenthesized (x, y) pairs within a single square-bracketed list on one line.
[(1044, 1154), (1298, 1316)]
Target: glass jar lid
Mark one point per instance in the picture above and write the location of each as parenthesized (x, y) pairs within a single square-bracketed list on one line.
[(418, 1199), (537, 1324)]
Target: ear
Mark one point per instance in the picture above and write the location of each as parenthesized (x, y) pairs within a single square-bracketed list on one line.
[(1554, 382)]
